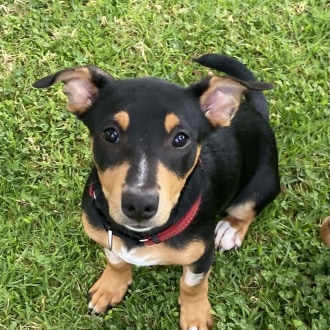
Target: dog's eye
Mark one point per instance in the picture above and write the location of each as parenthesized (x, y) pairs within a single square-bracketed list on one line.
[(111, 135), (180, 140)]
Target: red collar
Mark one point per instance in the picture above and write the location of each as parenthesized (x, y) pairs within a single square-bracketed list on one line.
[(176, 228), (168, 233)]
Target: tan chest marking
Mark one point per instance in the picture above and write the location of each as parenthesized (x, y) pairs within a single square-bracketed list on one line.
[(159, 254)]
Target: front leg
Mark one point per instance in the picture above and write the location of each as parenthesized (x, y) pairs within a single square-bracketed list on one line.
[(259, 191), (110, 288), (194, 304)]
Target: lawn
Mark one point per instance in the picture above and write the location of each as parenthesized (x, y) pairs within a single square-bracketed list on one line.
[(279, 279)]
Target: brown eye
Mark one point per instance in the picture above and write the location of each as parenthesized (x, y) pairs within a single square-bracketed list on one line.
[(180, 140), (111, 135)]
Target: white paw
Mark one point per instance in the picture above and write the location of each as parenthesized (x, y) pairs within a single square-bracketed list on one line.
[(226, 236)]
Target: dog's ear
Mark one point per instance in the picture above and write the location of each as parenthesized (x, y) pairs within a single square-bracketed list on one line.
[(82, 86), (220, 97)]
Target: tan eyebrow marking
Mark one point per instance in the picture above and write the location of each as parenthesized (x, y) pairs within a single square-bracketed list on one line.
[(171, 121), (122, 118)]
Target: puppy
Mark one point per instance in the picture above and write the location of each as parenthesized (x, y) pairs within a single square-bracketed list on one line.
[(168, 160)]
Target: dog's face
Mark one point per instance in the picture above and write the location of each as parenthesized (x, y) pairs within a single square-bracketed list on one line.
[(145, 143), (146, 135)]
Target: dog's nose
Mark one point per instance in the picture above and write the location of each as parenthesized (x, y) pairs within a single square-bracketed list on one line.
[(139, 206)]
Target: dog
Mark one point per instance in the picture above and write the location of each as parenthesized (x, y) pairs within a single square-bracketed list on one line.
[(167, 160)]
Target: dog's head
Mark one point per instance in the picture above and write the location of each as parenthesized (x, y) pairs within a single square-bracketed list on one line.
[(147, 135)]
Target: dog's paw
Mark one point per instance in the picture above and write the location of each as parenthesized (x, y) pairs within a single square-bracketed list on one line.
[(103, 297), (192, 318), (108, 291), (227, 237)]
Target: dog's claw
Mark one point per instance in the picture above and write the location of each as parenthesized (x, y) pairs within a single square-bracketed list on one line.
[(91, 310)]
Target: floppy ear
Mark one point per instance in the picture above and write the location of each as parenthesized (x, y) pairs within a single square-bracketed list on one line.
[(220, 97), (82, 85)]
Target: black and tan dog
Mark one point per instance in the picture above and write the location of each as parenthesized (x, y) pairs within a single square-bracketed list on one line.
[(167, 160)]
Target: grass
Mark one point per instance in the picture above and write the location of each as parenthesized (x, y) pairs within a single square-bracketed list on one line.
[(279, 279)]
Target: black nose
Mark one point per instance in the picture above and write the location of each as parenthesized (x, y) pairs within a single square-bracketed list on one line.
[(139, 206)]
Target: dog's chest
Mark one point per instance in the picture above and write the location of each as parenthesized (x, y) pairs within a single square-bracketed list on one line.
[(159, 254)]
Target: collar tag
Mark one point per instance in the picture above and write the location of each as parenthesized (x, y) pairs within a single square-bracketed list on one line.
[(144, 240), (110, 239)]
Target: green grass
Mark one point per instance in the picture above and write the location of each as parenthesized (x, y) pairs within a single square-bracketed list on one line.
[(279, 279)]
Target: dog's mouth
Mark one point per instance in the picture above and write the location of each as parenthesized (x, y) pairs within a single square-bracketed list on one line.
[(138, 228)]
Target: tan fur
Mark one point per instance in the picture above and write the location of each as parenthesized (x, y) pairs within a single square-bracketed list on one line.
[(111, 287), (325, 231), (240, 217), (194, 304), (77, 73), (171, 121), (243, 211), (98, 236), (122, 118), (170, 188), (113, 181)]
